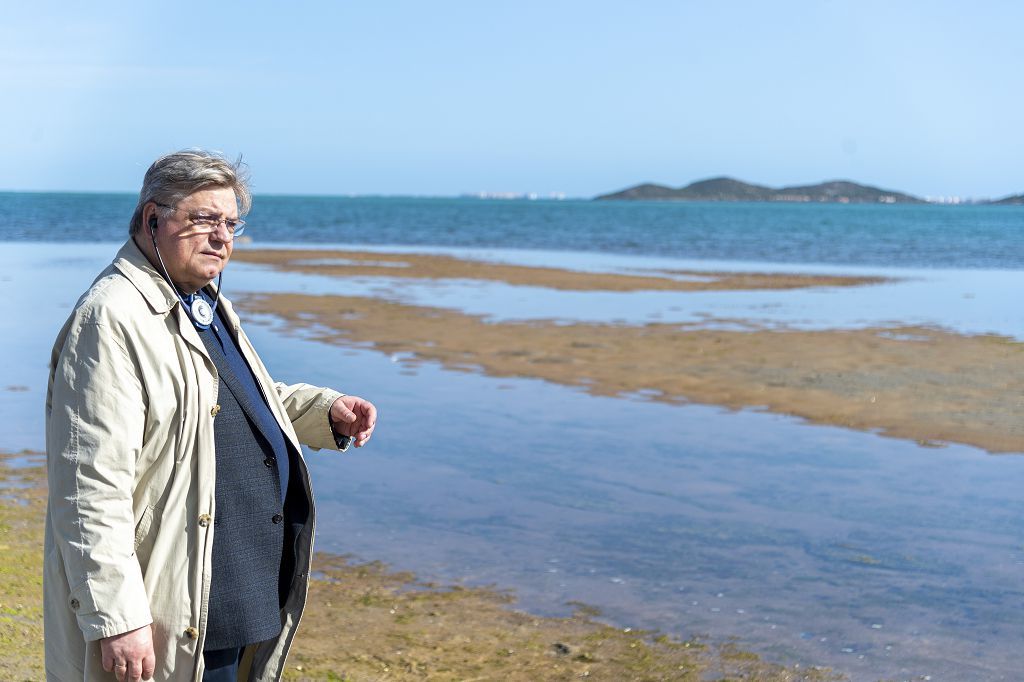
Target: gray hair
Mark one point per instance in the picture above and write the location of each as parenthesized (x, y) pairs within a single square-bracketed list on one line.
[(175, 176)]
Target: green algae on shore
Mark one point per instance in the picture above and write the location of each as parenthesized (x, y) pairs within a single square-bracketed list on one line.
[(364, 622), (22, 510)]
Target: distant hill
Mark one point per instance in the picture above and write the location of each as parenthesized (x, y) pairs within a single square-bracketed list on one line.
[(646, 190), (730, 189), (846, 192), (1015, 200), (723, 189)]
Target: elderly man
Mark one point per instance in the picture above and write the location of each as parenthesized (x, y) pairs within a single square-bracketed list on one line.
[(180, 517)]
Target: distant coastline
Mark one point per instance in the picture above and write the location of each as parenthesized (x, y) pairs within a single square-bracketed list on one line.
[(731, 189), (836, 191)]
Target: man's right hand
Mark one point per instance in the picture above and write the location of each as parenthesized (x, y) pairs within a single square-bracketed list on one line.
[(130, 655)]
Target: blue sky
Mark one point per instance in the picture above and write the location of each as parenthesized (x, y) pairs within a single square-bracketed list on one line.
[(575, 97)]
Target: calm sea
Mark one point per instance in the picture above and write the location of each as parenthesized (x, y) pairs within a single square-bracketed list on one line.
[(902, 236)]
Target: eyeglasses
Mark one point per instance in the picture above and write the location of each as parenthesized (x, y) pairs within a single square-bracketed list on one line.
[(208, 222)]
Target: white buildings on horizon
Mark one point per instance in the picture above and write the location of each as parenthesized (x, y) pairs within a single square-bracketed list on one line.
[(528, 196)]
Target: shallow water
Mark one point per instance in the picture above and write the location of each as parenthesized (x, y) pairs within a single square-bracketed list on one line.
[(689, 519), (812, 543), (968, 301)]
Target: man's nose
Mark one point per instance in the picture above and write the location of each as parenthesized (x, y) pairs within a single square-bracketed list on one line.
[(221, 233)]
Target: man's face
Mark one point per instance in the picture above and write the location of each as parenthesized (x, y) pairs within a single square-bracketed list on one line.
[(195, 256)]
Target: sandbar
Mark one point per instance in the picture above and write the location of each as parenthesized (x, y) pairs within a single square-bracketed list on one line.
[(930, 385), (431, 266)]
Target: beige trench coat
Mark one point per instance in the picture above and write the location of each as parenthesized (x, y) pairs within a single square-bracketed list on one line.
[(130, 410)]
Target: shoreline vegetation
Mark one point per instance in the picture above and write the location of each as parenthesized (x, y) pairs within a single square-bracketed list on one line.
[(929, 385), (365, 622)]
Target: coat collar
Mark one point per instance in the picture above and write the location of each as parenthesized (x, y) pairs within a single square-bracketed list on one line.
[(159, 295), (134, 265)]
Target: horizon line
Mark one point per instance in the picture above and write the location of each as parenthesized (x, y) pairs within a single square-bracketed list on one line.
[(486, 195), (518, 196)]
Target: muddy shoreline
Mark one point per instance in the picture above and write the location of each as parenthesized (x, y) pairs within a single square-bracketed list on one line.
[(365, 622)]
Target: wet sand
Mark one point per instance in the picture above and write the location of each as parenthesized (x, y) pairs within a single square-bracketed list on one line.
[(364, 622), (929, 385), (428, 266)]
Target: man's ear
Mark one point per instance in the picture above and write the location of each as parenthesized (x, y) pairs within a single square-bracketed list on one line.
[(152, 222)]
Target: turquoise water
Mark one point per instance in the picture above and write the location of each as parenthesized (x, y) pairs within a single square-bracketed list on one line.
[(900, 235)]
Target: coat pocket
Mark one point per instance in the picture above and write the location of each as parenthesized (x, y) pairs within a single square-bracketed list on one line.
[(145, 535), (143, 526)]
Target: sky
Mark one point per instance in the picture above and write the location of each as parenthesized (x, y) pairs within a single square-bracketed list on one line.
[(444, 98)]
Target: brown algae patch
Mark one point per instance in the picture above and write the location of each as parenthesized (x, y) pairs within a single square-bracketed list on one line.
[(923, 384), (428, 266), (364, 623)]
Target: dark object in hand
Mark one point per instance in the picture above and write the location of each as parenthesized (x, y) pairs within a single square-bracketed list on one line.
[(341, 440)]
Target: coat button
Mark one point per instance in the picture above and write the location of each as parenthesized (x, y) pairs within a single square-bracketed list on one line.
[(204, 520), (191, 633), (214, 410), (269, 461), (74, 604), (276, 518)]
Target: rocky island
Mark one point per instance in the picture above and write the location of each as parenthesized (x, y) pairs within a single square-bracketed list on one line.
[(730, 189)]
